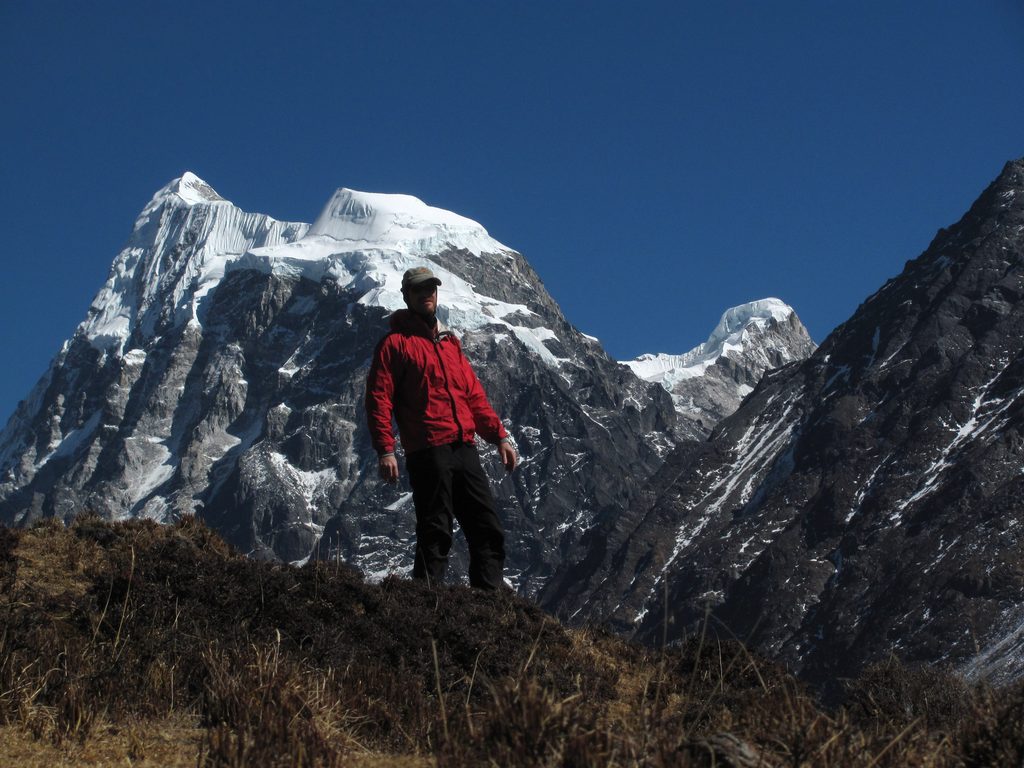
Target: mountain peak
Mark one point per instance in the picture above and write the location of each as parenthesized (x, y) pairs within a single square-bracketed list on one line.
[(709, 382), (731, 335), (157, 282), (190, 189), (735, 319), (1014, 171), (397, 221)]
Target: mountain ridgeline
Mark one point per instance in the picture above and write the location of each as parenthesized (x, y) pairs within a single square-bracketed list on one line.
[(862, 502)]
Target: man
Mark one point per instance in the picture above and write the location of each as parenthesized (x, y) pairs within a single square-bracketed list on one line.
[(420, 375)]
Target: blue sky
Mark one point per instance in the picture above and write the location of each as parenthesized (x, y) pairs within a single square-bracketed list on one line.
[(657, 162)]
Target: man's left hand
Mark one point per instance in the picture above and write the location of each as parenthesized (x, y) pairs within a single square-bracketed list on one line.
[(508, 455)]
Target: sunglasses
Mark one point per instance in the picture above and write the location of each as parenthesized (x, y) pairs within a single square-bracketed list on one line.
[(422, 288)]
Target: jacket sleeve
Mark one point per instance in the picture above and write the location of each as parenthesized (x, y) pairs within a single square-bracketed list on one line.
[(380, 391), (486, 421)]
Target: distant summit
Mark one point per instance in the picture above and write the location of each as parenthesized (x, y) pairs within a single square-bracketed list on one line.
[(192, 189), (182, 242), (188, 189), (398, 221), (710, 381)]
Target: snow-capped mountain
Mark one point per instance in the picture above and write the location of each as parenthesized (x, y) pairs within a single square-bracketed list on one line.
[(710, 381), (863, 502), (220, 371), (177, 253)]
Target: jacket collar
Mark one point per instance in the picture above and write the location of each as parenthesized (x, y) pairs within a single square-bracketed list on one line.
[(408, 322)]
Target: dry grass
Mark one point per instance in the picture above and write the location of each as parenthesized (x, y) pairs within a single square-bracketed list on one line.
[(136, 644), (172, 741)]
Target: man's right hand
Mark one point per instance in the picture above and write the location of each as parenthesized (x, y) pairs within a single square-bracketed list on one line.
[(388, 466)]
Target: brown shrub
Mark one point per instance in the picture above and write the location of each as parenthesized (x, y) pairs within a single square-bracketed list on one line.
[(994, 734), (894, 692)]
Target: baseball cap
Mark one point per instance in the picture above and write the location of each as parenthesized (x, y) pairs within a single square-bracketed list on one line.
[(418, 276)]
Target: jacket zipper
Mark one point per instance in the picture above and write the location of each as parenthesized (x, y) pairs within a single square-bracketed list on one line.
[(448, 387)]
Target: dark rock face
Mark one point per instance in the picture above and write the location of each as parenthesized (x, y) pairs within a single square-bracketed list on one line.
[(250, 414), (865, 501)]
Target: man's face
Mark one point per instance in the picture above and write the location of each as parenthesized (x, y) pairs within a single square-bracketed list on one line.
[(422, 299)]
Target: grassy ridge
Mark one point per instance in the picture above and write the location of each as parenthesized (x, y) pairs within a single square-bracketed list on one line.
[(158, 645)]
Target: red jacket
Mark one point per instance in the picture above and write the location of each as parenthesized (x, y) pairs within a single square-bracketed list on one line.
[(428, 385)]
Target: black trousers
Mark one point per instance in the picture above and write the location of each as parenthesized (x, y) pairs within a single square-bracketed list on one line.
[(448, 482)]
